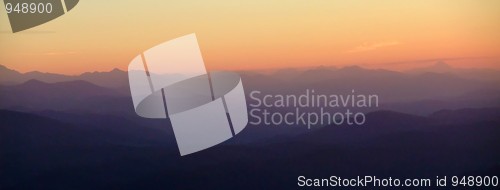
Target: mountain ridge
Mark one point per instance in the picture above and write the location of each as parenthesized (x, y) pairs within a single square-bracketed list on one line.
[(114, 78)]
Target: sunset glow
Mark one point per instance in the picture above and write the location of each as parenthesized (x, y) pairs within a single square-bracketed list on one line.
[(262, 34)]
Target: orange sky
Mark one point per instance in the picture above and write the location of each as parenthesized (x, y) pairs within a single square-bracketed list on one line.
[(101, 35)]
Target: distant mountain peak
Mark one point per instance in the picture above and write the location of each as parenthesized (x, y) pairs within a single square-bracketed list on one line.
[(33, 82), (116, 70), (441, 65), (437, 67), (6, 69)]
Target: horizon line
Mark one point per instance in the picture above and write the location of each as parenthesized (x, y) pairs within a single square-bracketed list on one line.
[(363, 65)]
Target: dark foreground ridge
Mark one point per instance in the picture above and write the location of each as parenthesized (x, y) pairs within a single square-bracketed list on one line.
[(56, 150)]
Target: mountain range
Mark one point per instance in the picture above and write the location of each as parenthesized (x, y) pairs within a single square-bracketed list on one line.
[(409, 92), (469, 73), (81, 132), (117, 78), (120, 153), (113, 79)]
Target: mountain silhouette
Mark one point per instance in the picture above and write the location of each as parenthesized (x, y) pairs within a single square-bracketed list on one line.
[(438, 67), (59, 146), (416, 93), (469, 73), (113, 79), (37, 95)]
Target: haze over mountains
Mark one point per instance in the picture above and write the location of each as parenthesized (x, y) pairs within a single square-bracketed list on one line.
[(81, 132), (470, 73), (117, 78), (420, 91)]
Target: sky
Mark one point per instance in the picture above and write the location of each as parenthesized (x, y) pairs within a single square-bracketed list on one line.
[(262, 34)]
